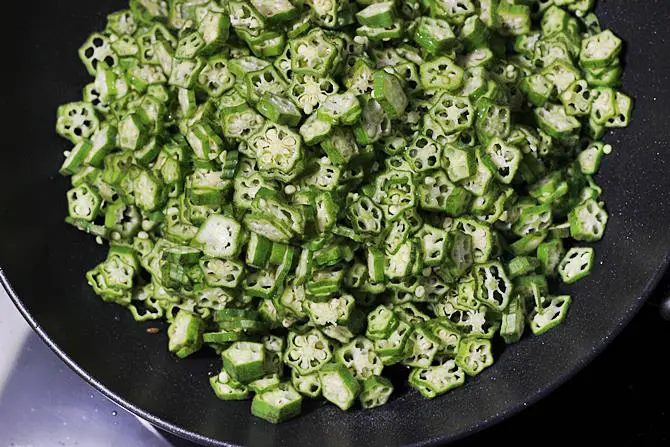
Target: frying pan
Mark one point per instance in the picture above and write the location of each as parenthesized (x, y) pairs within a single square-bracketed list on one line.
[(43, 259)]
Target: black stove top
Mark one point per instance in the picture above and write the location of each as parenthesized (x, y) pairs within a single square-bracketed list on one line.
[(621, 399)]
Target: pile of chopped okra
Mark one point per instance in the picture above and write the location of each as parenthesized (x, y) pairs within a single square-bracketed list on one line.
[(319, 190)]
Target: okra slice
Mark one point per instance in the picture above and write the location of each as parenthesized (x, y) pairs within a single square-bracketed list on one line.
[(421, 347), (609, 76), (441, 73), (268, 44), (375, 392), (576, 264), (493, 120), (258, 250), (577, 99), (219, 236), (437, 193), (123, 219), (527, 244), (265, 383), (185, 72), (550, 254), (493, 286), (277, 404), (122, 22), (433, 245), (189, 46), (313, 54), (278, 150), (474, 355), (503, 159), (268, 226), (588, 221), (433, 34), (309, 91), (214, 27), (75, 158), (216, 78), (552, 313), (76, 121), (477, 58), (533, 219), (308, 384), (513, 320), (83, 203), (338, 385), (326, 211), (223, 337), (537, 88), (423, 154), (474, 33), (366, 216), (263, 81), (392, 347), (373, 124), (624, 107), (513, 19), (307, 353), (227, 388), (381, 323), (448, 335), (358, 78), (522, 265), (340, 146), (340, 108), (388, 90), (453, 113), (185, 334), (96, 49), (244, 65), (245, 18), (603, 107), (433, 381), (561, 74), (244, 361), (377, 15), (279, 109), (336, 310), (315, 130), (590, 158), (383, 34), (360, 358), (459, 162), (599, 50), (480, 234), (276, 10), (222, 273), (241, 124), (554, 120)]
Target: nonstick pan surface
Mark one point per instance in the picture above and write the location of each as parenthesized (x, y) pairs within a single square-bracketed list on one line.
[(44, 260)]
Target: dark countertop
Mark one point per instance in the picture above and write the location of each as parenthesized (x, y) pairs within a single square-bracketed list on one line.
[(622, 398)]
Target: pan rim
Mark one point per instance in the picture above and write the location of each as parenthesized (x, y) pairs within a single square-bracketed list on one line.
[(539, 394)]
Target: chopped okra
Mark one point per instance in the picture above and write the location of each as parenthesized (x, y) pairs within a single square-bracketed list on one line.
[(318, 190)]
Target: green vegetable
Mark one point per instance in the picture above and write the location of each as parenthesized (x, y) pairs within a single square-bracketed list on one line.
[(327, 188), (338, 385), (277, 403), (244, 361), (436, 380)]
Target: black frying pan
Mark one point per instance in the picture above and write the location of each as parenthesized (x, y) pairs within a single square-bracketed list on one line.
[(44, 259)]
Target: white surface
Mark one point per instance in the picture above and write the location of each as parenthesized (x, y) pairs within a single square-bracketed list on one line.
[(13, 333), (43, 403)]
